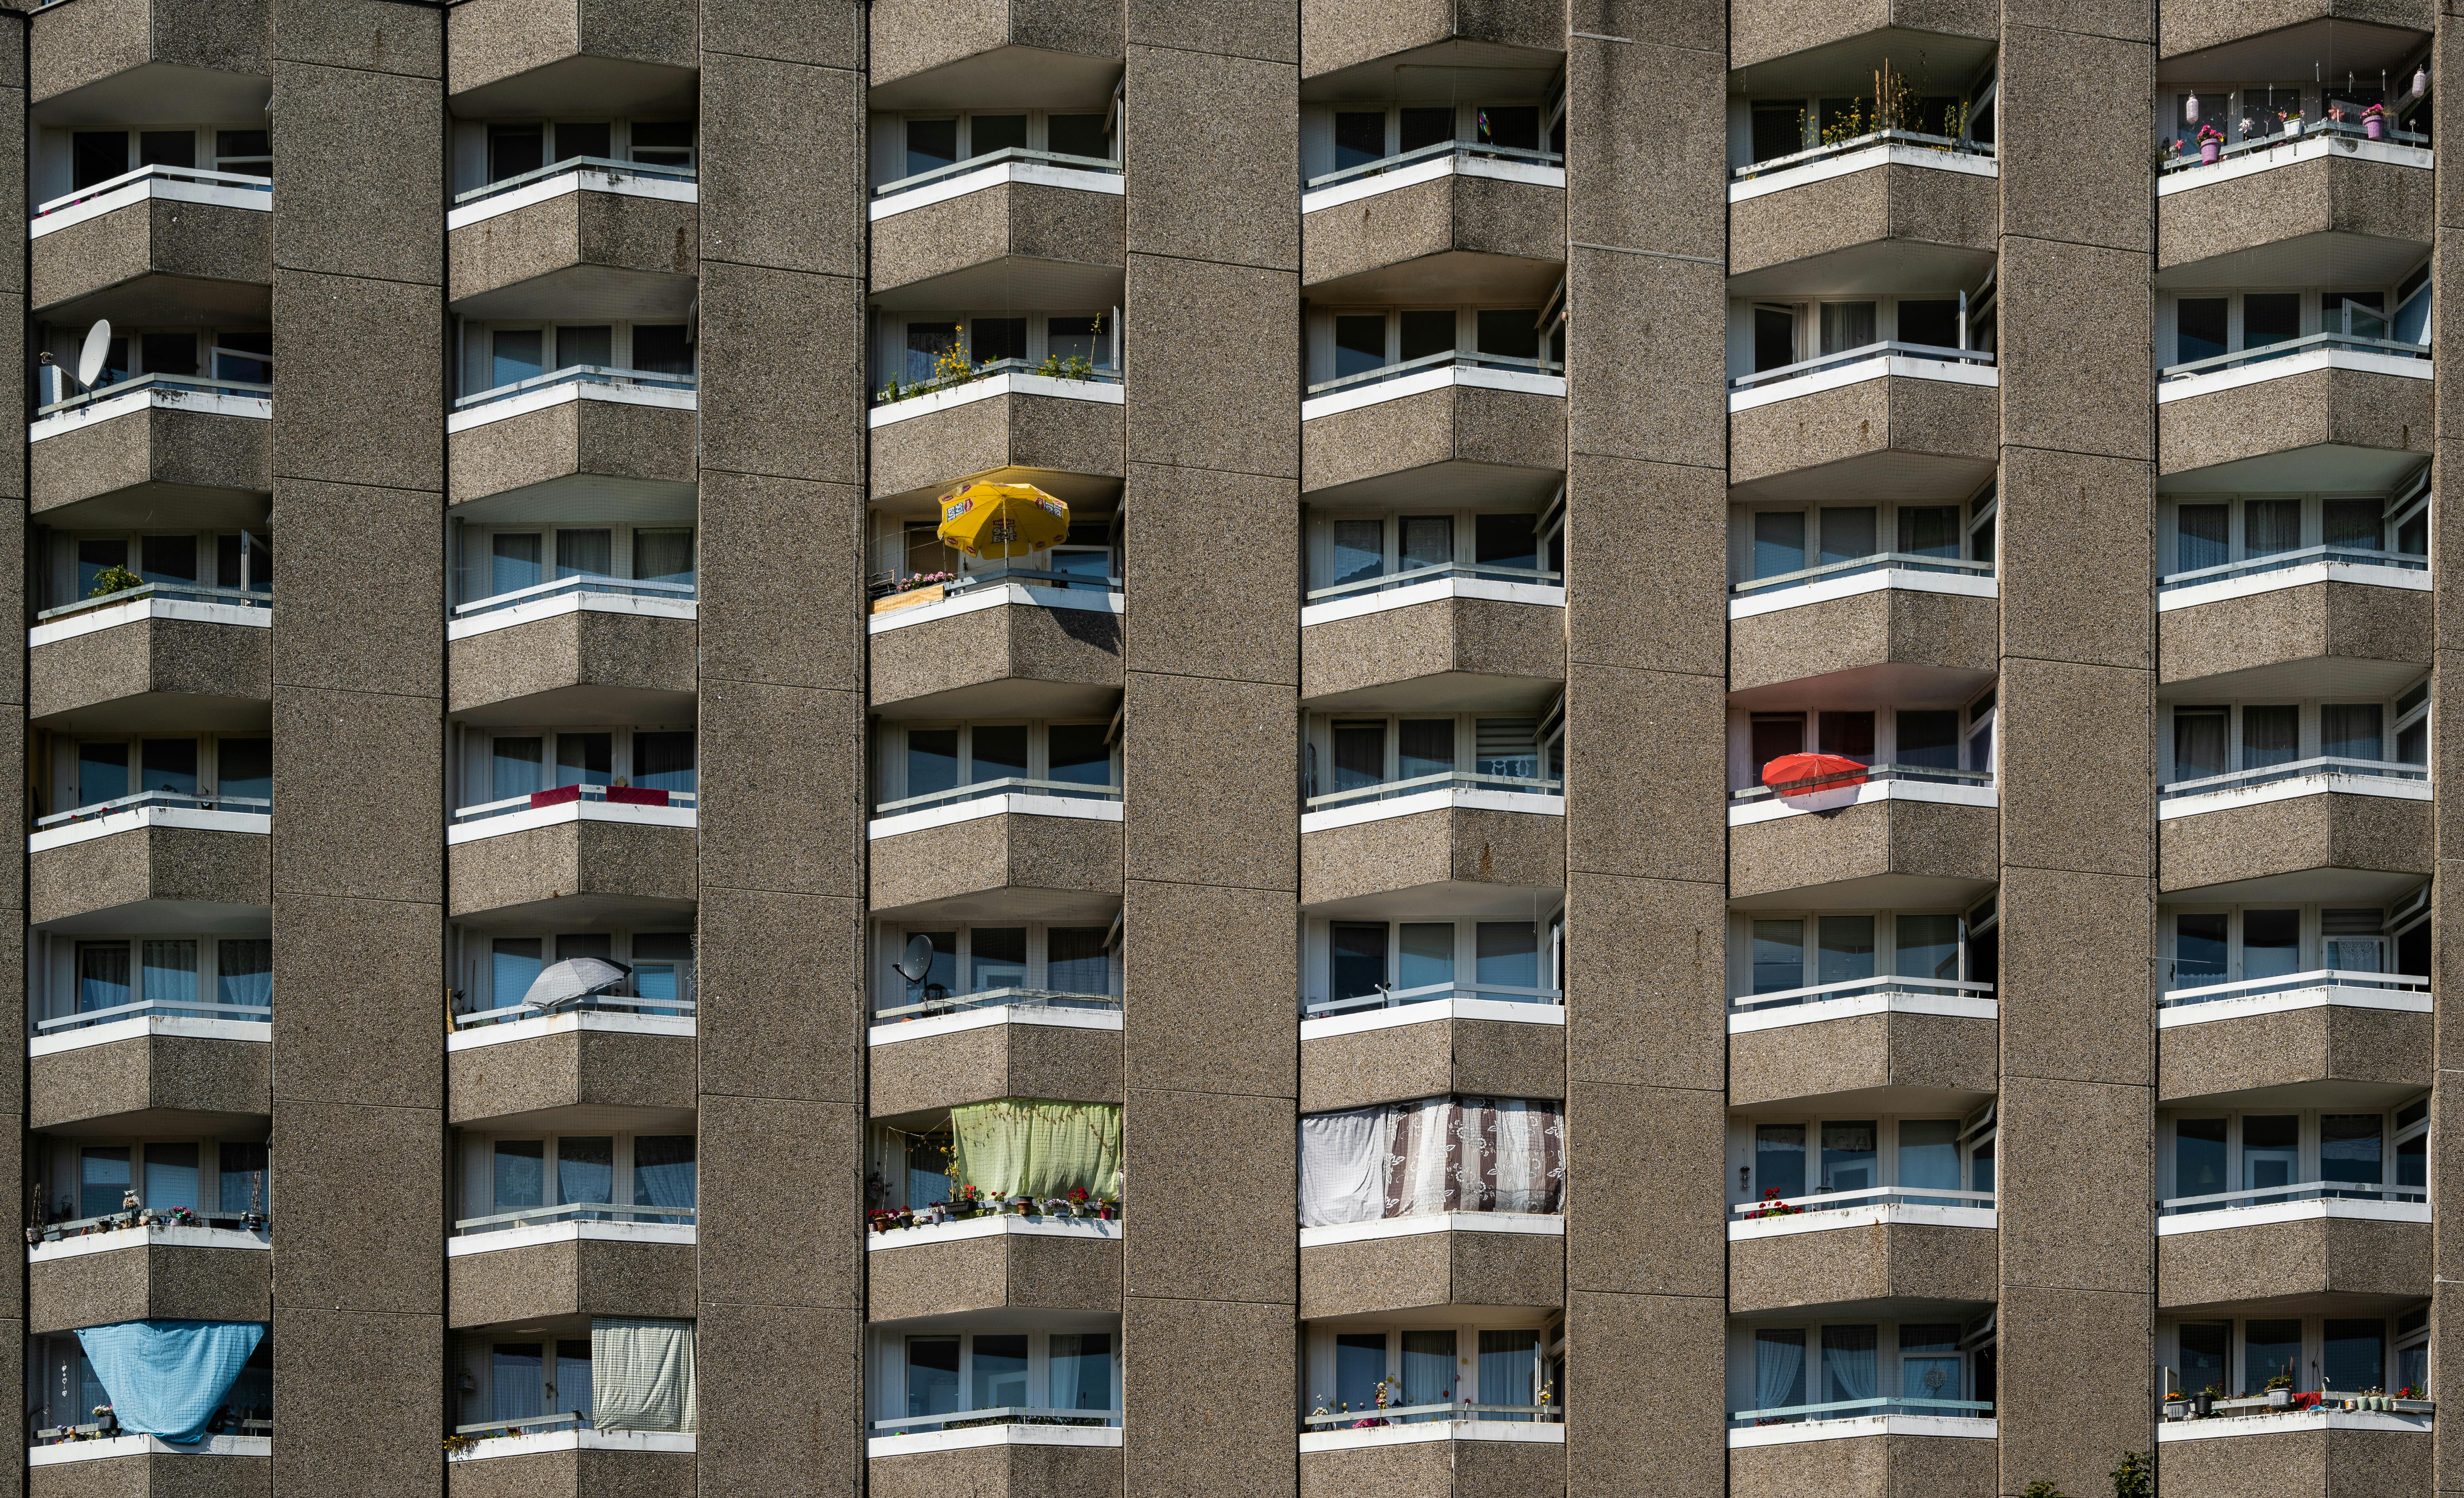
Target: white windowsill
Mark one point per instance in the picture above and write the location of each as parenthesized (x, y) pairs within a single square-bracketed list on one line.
[(463, 1245), (1958, 1426), (148, 1024), (2308, 361), (146, 1237), (1085, 1229), (1960, 1006), (140, 610), (204, 403), (1040, 174), (1938, 792), (2246, 1006), (1966, 163), (1536, 174), (1539, 595), (927, 1440), (212, 194), (1539, 1432), (589, 180), (1098, 391), (183, 817), (1886, 1213), (1897, 366), (1405, 386), (147, 1445), (1525, 802), (2290, 1423), (2306, 576), (1502, 1010), (1025, 595), (678, 1442), (1824, 590), (544, 396), (531, 820), (1085, 808), (1537, 1224), (2303, 148), (480, 1036), (687, 609), (930, 1026), (2293, 789), (2348, 1211)]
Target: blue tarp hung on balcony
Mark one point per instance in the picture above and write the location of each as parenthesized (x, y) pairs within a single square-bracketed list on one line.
[(166, 1378)]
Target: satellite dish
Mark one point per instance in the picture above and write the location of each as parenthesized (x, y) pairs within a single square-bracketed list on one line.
[(98, 349), (917, 961)]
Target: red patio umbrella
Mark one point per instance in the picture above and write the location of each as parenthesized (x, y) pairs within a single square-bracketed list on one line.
[(1795, 774)]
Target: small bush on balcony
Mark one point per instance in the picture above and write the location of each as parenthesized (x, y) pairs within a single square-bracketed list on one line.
[(114, 580)]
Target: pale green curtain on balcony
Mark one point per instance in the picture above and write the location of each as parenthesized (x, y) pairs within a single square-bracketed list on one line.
[(642, 1375), (1018, 1147)]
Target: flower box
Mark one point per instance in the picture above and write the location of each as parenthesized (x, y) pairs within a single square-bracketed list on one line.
[(933, 594)]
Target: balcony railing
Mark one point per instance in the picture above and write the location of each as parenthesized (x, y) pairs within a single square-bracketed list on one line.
[(650, 171), (997, 999), (2311, 129), (1452, 357), (1862, 142), (582, 374), (982, 790), (526, 1425), (163, 799), (2306, 556), (105, 1429), (1889, 986), (2293, 770), (156, 1008), (1871, 1196), (167, 384), (145, 1218), (1469, 150), (1370, 1417), (1886, 349), (1032, 577), (169, 591), (1860, 1409), (1008, 153), (241, 181), (576, 585), (592, 1004), (1876, 774), (1390, 998), (997, 1415), (601, 795), (1469, 571), (2319, 979), (2244, 1406), (574, 1212), (2304, 1191), (1880, 562), (1447, 780), (1081, 372), (2349, 343)]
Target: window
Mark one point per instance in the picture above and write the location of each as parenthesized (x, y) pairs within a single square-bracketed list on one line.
[(499, 766), (1784, 334), (1500, 547), (2336, 1355), (1360, 964), (214, 772), (967, 960), (2272, 1157), (209, 558), (1782, 952), (919, 349), (1866, 1161), (2261, 324), (954, 1373), (933, 142), (1427, 1365), (924, 764), (1408, 754), (1360, 342), (1845, 540), (1901, 743), (2245, 740), (516, 354), (558, 1177), (2242, 535), (499, 968), (190, 977), (1869, 1368), (516, 149), (83, 1179), (495, 563)]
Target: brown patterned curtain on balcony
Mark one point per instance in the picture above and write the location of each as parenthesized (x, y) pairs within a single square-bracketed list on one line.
[(1432, 1155)]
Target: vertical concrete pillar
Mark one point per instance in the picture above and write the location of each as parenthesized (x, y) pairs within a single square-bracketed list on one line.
[(1647, 665), (2075, 716), (780, 1093), (2447, 775), (12, 682), (358, 833), (1210, 153)]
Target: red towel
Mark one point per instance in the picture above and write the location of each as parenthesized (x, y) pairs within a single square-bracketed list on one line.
[(557, 797), (637, 796)]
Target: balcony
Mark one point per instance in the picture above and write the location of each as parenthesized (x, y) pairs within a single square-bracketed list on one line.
[(152, 58), (567, 1456), (1449, 222), (585, 851), (123, 860), (123, 452), (584, 649), (237, 1466), (992, 1262), (1889, 208), (999, 1042), (1929, 1244), (1893, 609), (587, 237), (586, 1259), (1848, 842), (1486, 428), (1888, 417), (2348, 408), (1851, 1043), (95, 1271), (1866, 1449), (527, 1061), (1428, 833), (2327, 826), (574, 429), (2359, 1031), (979, 231), (2269, 207), (1016, 844), (1489, 1258), (2344, 1444), (1432, 1450), (1009, 422), (1464, 634), (1398, 1044), (656, 1405), (2346, 1246), (156, 656), (158, 245), (954, 55), (1010, 640), (2265, 625)]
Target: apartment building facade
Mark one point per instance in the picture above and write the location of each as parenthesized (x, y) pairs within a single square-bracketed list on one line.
[(1726, 782)]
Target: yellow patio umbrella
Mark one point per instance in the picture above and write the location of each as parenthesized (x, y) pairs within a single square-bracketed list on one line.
[(1002, 520)]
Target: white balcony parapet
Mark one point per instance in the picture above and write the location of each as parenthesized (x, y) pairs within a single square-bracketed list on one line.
[(92, 1235), (1856, 365), (2322, 986), (249, 399), (574, 174), (1431, 164), (1407, 1425), (1009, 586), (1755, 804), (896, 1438), (1431, 372), (155, 808), (195, 603), (1926, 1206), (1463, 1004), (2314, 140), (583, 593), (1010, 164), (1388, 996), (2261, 1417), (2296, 777), (997, 1225), (172, 183), (1001, 377), (164, 1008), (589, 804), (540, 1226), (1859, 153), (525, 1440), (2369, 1201), (2221, 372), (679, 392), (1364, 596), (1845, 1420), (609, 1214), (628, 1013), (106, 1447), (1870, 996), (1910, 571), (1537, 1224), (112, 1032)]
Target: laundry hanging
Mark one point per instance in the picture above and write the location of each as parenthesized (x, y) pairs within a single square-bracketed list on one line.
[(642, 1375), (1454, 1154), (166, 1378)]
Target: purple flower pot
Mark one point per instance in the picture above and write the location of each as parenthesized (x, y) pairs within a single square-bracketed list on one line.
[(2374, 128), (2207, 150)]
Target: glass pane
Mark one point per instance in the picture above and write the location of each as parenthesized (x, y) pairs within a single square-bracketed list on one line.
[(2352, 731), (1509, 1363), (931, 760), (167, 559), (102, 1180), (931, 144), (2271, 943), (2270, 735), (239, 1172), (2350, 523), (521, 1174), (1426, 954), (102, 771), (2270, 526), (97, 156), (1848, 532), (2271, 1151), (999, 957), (1359, 550), (93, 558), (593, 344), (1079, 753), (1847, 949), (1428, 1367), (1505, 541), (1358, 957), (992, 339), (1847, 325), (1075, 960), (1516, 125), (1929, 1153), (1930, 324), (999, 1373), (1928, 738), (662, 348), (1359, 1367), (1507, 954), (664, 1171), (1779, 130), (1359, 344), (2198, 744), (2352, 1147), (171, 764), (1849, 733), (928, 1168), (926, 344), (517, 1377), (997, 752), (584, 758), (1779, 1161), (244, 767), (1426, 126), (2270, 1349), (1926, 946), (665, 760), (1779, 1368), (520, 354), (171, 1176), (2205, 1349), (1776, 734), (932, 1361), (590, 553), (2200, 325), (1427, 540), (1980, 1164), (102, 975), (2269, 320), (1930, 530), (2202, 537), (1359, 755), (570, 1393), (1424, 746), (1075, 338), (2199, 1157), (1930, 1377), (2198, 950), (1848, 1157), (170, 972), (1507, 334), (514, 561), (1779, 542), (2356, 1355), (990, 133), (1848, 1364), (1778, 955), (1359, 138), (1507, 746), (1424, 333), (665, 142), (1774, 339), (514, 965), (585, 1170), (1080, 1374), (1077, 135)]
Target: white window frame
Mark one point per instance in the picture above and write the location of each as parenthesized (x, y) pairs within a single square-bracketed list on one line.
[(2309, 742), (2310, 955), (1547, 932), (478, 754), (60, 1172), (479, 1163), (1321, 1361), (892, 754), (65, 760), (890, 1362), (892, 946), (1887, 958), (476, 950), (1743, 1188), (1464, 554), (2307, 1165), (476, 582)]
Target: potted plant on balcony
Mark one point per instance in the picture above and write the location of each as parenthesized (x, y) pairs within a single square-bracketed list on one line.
[(114, 580), (2211, 144), (2279, 1392), (2374, 121), (2291, 120), (965, 1202)]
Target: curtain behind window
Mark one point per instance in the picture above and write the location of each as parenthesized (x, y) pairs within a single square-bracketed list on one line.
[(1779, 1367), (1342, 1168), (1847, 1363), (244, 972)]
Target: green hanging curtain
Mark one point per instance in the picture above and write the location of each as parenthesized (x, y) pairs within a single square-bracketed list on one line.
[(1020, 1147)]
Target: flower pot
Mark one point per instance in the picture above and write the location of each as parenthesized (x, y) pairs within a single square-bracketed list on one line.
[(2280, 1398), (2203, 1405), (2176, 1409), (2375, 128), (2207, 150)]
